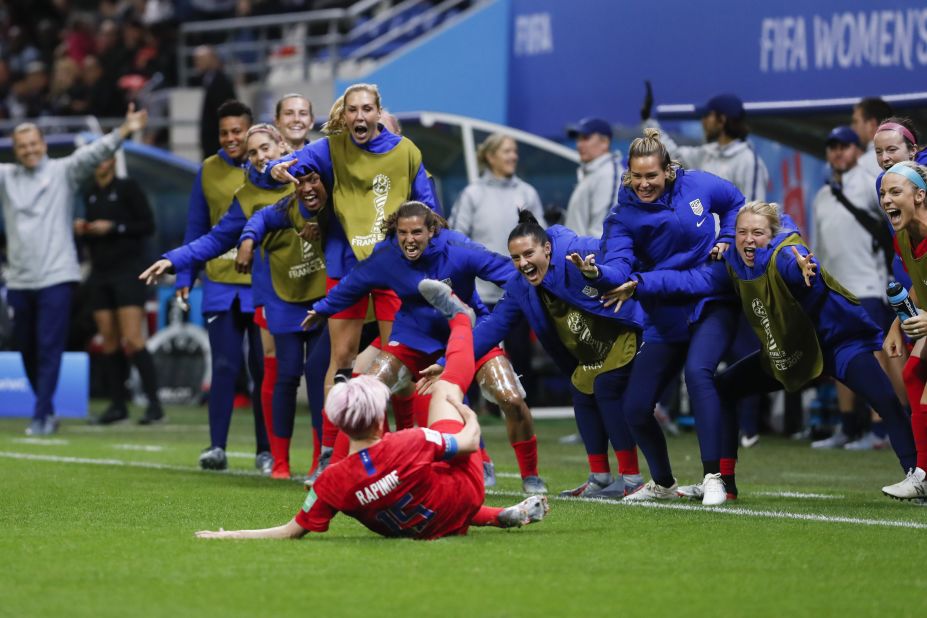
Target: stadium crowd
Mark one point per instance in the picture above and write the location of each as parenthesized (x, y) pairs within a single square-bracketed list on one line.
[(331, 260)]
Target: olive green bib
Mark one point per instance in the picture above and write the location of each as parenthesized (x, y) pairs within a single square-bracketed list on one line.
[(598, 344), (220, 181), (369, 187), (917, 266), (297, 266), (790, 348)]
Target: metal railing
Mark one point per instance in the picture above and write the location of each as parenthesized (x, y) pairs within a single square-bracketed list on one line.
[(252, 47)]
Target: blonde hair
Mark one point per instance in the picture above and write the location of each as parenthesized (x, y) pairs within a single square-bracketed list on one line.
[(768, 210), (646, 146), (336, 123), (270, 130), (920, 169), (489, 147)]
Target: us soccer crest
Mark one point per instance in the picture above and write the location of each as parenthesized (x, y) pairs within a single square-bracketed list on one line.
[(696, 206)]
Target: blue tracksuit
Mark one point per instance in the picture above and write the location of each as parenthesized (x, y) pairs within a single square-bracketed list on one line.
[(450, 257), (846, 334), (339, 257)]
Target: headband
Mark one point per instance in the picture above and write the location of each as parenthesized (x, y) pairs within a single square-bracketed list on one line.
[(910, 174), (894, 126)]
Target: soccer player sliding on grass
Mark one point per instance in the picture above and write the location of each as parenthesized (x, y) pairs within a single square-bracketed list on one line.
[(419, 483)]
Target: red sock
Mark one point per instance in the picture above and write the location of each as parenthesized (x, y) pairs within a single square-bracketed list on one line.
[(403, 411), (727, 466), (329, 431), (420, 405), (627, 461), (526, 452), (316, 450), (460, 364), (915, 374), (598, 463), (486, 516), (342, 446), (267, 392)]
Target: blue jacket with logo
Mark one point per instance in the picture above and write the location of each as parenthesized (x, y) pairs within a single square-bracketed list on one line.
[(450, 257), (675, 231), (844, 329), (564, 281)]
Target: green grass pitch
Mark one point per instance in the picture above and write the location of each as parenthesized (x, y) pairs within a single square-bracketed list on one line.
[(100, 521)]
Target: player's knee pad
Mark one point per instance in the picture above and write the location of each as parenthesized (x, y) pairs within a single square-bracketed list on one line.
[(500, 385), (391, 371)]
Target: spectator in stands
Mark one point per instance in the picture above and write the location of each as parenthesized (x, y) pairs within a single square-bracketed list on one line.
[(118, 219), (64, 85), (5, 87), (30, 94), (599, 177), (37, 198), (486, 211), (868, 114), (726, 152), (217, 88), (94, 94), (20, 52), (845, 210)]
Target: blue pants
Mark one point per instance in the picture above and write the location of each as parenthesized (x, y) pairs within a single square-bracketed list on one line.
[(227, 334), (40, 332), (657, 363), (599, 417), (864, 377), (300, 354)]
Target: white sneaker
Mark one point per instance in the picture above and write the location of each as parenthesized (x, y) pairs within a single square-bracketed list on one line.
[(693, 492), (749, 441), (868, 442), (912, 487), (713, 490), (838, 440), (652, 491), (528, 511)]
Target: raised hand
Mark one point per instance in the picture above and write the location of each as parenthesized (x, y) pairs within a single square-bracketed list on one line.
[(151, 274), (430, 375), (807, 266), (618, 295), (135, 121), (281, 172), (585, 265)]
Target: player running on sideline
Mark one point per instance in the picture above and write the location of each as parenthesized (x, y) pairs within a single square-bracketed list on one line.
[(419, 483)]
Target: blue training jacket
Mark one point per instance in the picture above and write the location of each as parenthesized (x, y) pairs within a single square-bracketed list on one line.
[(844, 329), (676, 231), (316, 157), (450, 257), (188, 260), (565, 282)]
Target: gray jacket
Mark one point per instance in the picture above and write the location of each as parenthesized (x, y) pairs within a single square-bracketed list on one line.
[(487, 211), (38, 213), (593, 197)]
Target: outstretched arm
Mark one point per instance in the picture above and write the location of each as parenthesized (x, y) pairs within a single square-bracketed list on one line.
[(289, 530)]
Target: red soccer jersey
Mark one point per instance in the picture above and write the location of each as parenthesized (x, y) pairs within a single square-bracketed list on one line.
[(400, 486)]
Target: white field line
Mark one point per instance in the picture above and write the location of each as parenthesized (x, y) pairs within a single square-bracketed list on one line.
[(675, 506), (238, 455), (41, 441), (508, 475), (123, 427), (796, 494), (147, 448)]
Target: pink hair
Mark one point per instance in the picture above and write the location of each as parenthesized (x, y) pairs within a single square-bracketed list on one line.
[(357, 405)]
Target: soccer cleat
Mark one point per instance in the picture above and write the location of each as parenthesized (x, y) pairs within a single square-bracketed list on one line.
[(573, 438), (632, 482), (528, 511), (489, 474), (42, 426), (652, 491), (154, 413), (697, 492), (440, 296), (666, 422), (115, 413), (838, 440), (869, 442), (264, 462), (213, 458), (749, 441), (325, 458), (533, 485), (713, 491), (592, 485), (613, 491), (913, 486)]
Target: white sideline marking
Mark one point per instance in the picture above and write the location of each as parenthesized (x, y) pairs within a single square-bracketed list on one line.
[(508, 475), (887, 523), (239, 455), (41, 441), (148, 448), (796, 494), (727, 510), (148, 429)]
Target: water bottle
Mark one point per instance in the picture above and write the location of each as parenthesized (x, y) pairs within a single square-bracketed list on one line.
[(900, 301)]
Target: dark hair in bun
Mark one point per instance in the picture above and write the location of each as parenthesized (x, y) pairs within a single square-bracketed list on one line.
[(528, 226)]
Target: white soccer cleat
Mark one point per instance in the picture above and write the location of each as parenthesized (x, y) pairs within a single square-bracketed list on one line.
[(838, 440), (713, 490), (651, 491), (440, 296), (913, 486), (528, 511)]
